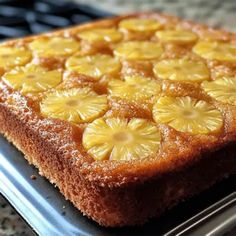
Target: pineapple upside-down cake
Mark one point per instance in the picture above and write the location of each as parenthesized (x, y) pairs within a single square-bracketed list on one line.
[(120, 113)]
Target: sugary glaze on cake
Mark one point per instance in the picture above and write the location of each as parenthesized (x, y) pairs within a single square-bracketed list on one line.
[(126, 99)]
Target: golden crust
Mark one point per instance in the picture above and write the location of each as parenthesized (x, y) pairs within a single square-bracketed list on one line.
[(113, 192), (109, 206)]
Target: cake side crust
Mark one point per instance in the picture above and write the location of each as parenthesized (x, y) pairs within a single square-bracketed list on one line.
[(117, 206)]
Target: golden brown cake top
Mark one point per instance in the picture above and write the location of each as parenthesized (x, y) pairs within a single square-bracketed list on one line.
[(147, 89)]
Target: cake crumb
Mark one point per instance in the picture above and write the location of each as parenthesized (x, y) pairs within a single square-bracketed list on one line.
[(33, 177)]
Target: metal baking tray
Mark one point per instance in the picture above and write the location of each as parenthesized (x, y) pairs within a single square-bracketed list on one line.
[(212, 212)]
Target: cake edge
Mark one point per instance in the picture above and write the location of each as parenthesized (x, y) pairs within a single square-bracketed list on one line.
[(116, 206)]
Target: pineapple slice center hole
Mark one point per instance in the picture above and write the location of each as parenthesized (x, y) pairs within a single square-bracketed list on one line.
[(123, 137), (178, 68), (30, 76), (72, 103), (232, 90), (189, 114), (133, 86), (5, 55)]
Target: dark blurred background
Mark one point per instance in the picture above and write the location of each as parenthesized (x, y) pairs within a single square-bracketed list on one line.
[(23, 17)]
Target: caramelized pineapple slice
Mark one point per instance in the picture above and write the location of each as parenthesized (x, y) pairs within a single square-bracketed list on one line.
[(187, 114), (94, 66), (77, 105), (135, 88), (216, 51), (138, 50), (13, 56), (32, 79), (140, 25), (101, 34), (54, 46), (181, 70), (223, 90), (120, 139), (176, 36)]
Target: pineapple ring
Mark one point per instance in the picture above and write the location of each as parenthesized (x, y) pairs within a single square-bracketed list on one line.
[(187, 114), (32, 79), (54, 46), (139, 50), (176, 36), (216, 51), (77, 105), (10, 57), (101, 34), (181, 70), (139, 25), (135, 88), (223, 90), (120, 139), (94, 66)]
